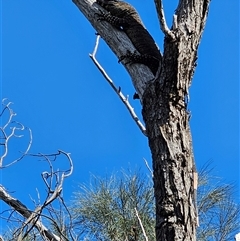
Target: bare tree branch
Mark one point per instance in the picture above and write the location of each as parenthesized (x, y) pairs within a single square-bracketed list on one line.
[(148, 167), (117, 90), (25, 212), (7, 132), (140, 222), (163, 24), (54, 183)]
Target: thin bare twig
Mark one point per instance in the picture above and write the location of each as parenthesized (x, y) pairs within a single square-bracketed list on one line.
[(24, 211), (6, 136), (117, 90), (140, 222), (148, 167), (162, 20), (54, 182)]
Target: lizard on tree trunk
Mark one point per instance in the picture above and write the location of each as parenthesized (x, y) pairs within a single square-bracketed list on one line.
[(124, 17)]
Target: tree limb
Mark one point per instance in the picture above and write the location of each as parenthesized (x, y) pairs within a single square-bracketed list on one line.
[(140, 222), (163, 24), (118, 42), (117, 90), (54, 182), (10, 130), (25, 212)]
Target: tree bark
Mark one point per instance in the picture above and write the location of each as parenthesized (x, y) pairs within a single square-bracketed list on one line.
[(164, 109), (118, 42), (167, 124)]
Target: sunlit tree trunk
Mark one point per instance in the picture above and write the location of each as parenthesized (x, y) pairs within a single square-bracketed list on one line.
[(164, 109), (167, 124)]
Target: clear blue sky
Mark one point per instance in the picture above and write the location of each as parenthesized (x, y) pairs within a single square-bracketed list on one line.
[(62, 97)]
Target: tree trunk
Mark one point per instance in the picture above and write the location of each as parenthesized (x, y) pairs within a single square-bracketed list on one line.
[(164, 109), (167, 124), (166, 118)]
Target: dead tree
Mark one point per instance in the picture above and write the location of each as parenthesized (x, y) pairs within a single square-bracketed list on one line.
[(164, 108), (32, 221)]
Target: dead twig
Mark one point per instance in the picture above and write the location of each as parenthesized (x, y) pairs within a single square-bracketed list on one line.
[(116, 90), (140, 222), (8, 132), (162, 20)]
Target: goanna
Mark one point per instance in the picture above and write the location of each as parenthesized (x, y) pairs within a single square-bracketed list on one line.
[(124, 17)]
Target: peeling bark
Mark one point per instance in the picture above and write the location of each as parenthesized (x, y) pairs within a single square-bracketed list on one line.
[(164, 109)]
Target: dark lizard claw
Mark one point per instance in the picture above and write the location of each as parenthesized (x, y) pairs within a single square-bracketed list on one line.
[(124, 57), (100, 16), (130, 56)]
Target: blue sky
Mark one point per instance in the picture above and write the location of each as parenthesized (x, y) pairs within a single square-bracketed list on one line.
[(62, 97)]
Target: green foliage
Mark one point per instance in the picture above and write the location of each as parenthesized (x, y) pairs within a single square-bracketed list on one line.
[(218, 214), (106, 209)]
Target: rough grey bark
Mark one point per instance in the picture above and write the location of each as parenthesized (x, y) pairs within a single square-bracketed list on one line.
[(118, 42), (167, 124), (164, 110)]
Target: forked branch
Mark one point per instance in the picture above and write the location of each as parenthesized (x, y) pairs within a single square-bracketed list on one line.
[(54, 183), (162, 20), (11, 129)]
